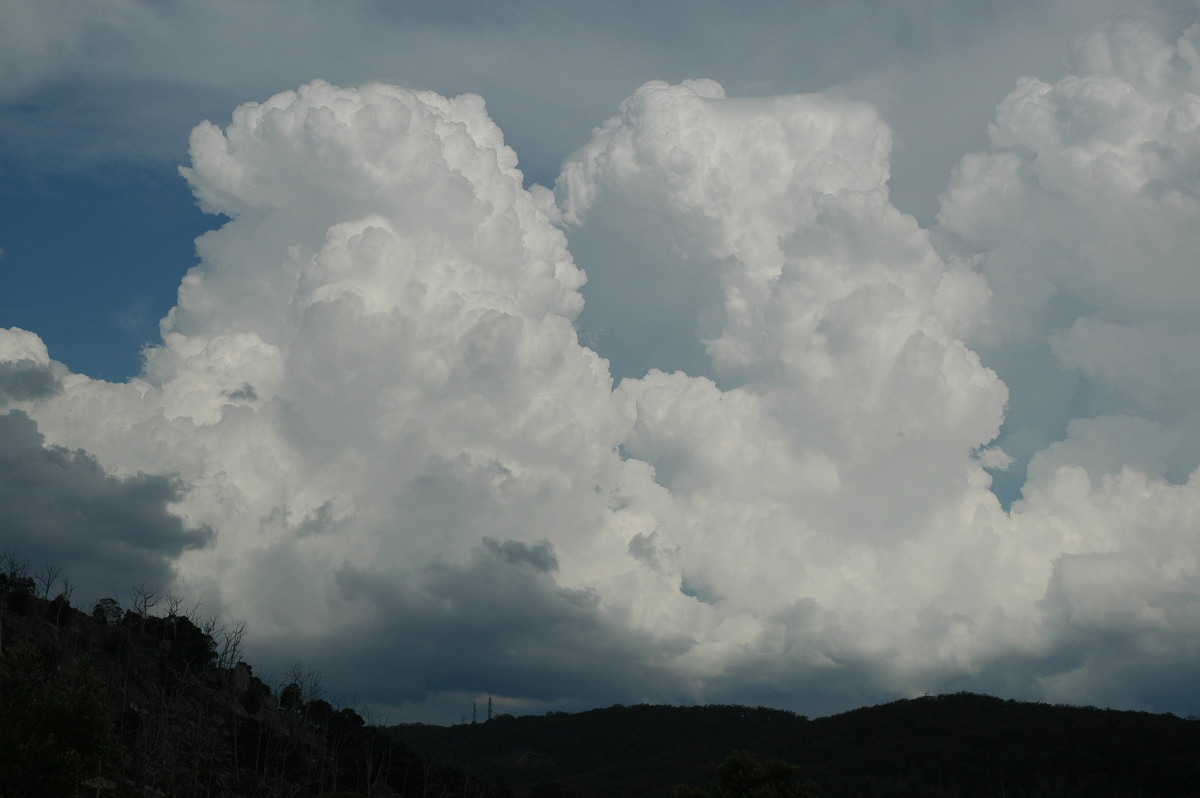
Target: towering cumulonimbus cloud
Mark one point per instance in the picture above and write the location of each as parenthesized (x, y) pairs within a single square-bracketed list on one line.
[(372, 373), (375, 391), (838, 459)]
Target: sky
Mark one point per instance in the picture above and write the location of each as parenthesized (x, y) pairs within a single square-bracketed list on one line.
[(800, 354)]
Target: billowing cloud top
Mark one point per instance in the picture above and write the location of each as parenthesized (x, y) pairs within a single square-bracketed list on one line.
[(1082, 220), (373, 391)]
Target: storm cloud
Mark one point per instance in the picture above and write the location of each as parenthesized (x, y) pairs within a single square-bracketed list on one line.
[(108, 534)]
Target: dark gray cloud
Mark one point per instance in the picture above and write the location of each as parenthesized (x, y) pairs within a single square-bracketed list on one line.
[(513, 552), (498, 624), (107, 533), (26, 379)]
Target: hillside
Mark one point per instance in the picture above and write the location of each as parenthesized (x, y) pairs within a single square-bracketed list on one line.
[(132, 703), (953, 745)]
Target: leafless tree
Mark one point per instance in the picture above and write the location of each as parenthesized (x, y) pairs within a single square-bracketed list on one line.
[(145, 600), (231, 647), (46, 576), (175, 607), (307, 678), (377, 752), (13, 566), (174, 602), (64, 600), (208, 626)]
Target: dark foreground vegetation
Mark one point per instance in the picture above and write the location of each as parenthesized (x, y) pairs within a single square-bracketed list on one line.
[(952, 745), (154, 700)]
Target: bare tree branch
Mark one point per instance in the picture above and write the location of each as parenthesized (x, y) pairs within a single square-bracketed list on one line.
[(46, 576)]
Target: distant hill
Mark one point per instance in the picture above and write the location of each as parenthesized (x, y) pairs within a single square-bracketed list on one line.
[(951, 745)]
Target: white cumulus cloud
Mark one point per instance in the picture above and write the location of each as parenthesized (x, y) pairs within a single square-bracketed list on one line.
[(1082, 220)]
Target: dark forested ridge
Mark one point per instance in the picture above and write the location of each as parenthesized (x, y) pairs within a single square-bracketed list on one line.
[(952, 745), (134, 702), (152, 700)]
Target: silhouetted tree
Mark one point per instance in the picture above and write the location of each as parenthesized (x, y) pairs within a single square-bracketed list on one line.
[(290, 698), (744, 776), (55, 732), (108, 610)]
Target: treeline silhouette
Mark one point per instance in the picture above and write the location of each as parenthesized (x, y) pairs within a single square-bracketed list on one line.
[(154, 700), (961, 745)]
